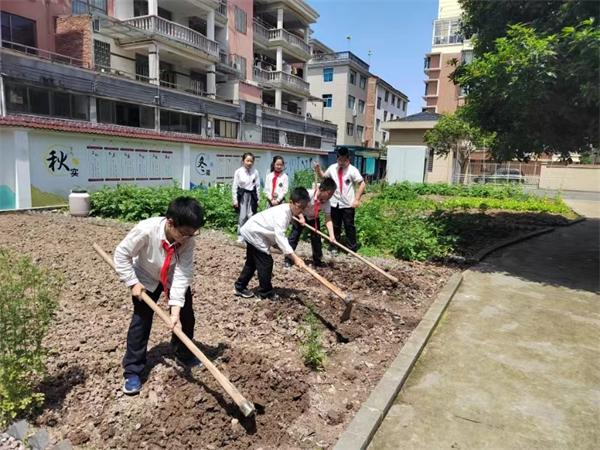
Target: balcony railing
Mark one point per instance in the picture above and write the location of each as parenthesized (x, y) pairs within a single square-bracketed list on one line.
[(233, 62), (222, 8), (260, 32), (295, 41), (175, 31), (281, 79), (339, 56)]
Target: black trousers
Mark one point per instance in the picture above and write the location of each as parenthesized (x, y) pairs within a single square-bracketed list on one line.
[(134, 360), (315, 239), (344, 216), (260, 262)]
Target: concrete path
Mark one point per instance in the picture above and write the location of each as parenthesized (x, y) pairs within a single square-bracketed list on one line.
[(515, 361)]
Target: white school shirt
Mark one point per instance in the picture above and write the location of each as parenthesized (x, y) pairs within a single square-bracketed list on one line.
[(267, 228), (309, 211), (245, 179), (344, 195), (140, 256), (281, 188)]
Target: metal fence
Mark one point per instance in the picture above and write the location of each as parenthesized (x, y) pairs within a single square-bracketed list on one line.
[(512, 172)]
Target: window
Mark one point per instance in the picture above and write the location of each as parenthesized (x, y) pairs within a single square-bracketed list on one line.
[(127, 114), (47, 102), (179, 122), (349, 128), (363, 82), (377, 124), (387, 96), (359, 131), (385, 116), (89, 6), (352, 77), (404, 106), (17, 29), (447, 31), (466, 56), (240, 20), (328, 74), (378, 102), (393, 100), (313, 141), (250, 113), (384, 136), (361, 106), (225, 129), (295, 139), (270, 135), (327, 100), (351, 102), (101, 53)]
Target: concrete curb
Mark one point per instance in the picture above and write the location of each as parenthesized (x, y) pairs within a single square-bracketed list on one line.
[(486, 251), (361, 430), (35, 208)]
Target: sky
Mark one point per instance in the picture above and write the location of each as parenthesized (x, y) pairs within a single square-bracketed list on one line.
[(398, 33)]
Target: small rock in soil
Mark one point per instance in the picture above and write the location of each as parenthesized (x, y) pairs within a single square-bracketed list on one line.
[(40, 440), (63, 445), (334, 417), (18, 430)]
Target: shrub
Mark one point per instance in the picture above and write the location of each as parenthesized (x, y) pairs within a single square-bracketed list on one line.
[(312, 347), (27, 302), (303, 178)]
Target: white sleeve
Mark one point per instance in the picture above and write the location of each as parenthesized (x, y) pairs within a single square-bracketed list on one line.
[(282, 242), (183, 274), (328, 172), (234, 186), (356, 176), (285, 188), (125, 252), (268, 183)]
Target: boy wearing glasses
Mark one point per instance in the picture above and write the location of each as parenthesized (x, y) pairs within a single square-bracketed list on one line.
[(157, 256)]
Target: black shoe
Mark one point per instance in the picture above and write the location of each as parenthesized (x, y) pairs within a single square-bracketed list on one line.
[(245, 293), (319, 263), (287, 264), (188, 362), (270, 294)]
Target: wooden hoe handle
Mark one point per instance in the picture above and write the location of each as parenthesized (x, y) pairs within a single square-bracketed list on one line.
[(245, 406), (346, 249)]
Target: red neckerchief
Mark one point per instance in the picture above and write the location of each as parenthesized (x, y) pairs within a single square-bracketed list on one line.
[(316, 207), (273, 185), (341, 179), (164, 270)]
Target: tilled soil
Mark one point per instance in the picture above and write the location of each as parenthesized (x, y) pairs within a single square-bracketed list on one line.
[(254, 343)]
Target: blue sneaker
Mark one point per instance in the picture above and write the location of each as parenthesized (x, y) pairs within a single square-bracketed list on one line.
[(132, 385)]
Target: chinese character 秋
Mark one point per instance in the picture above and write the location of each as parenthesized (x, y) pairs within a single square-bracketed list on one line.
[(60, 160)]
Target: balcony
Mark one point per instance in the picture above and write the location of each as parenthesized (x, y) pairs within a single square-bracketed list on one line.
[(282, 80), (279, 37), (221, 12), (156, 27), (232, 64), (341, 57)]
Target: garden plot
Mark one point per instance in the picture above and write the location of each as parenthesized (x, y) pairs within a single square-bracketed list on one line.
[(256, 344)]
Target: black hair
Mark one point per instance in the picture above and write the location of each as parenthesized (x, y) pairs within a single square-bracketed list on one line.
[(275, 158), (185, 212), (342, 151), (328, 185), (245, 155), (300, 195)]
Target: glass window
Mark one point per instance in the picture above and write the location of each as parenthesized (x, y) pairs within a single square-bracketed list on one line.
[(377, 124), (327, 100), (16, 100), (404, 106), (387, 96), (80, 108), (295, 139), (363, 82), (361, 106), (241, 20), (328, 74), (393, 100), (17, 29), (62, 104), (39, 101), (378, 102), (351, 101), (447, 31), (313, 141), (359, 131), (179, 122), (352, 77), (250, 112), (349, 128), (126, 114), (270, 135), (101, 53), (225, 129), (384, 116), (89, 6)]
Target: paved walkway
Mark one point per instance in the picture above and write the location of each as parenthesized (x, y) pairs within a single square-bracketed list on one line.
[(515, 361)]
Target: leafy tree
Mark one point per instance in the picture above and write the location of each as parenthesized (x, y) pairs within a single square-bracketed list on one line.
[(534, 78), (453, 135)]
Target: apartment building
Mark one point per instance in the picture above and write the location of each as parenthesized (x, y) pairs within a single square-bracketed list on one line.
[(348, 95), (210, 74), (441, 94)]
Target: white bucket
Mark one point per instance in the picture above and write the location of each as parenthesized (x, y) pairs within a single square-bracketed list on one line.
[(79, 203)]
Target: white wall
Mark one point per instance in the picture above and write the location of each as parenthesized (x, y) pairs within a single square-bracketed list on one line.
[(42, 167), (406, 163)]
